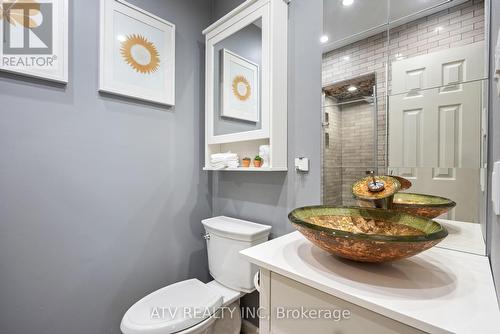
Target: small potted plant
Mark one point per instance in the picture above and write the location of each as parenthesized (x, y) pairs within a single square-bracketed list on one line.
[(257, 161), (246, 162)]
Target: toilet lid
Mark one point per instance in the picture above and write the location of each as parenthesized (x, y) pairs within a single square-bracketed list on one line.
[(172, 309)]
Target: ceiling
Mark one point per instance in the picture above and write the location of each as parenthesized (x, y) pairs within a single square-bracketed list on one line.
[(364, 88), (347, 24)]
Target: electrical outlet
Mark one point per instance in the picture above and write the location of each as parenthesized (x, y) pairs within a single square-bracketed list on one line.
[(495, 188), (497, 63), (302, 164)]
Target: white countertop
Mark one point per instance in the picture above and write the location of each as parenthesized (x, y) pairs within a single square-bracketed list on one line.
[(437, 291), (464, 237)]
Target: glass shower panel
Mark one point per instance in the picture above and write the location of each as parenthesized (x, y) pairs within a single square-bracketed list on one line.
[(350, 137), (354, 89)]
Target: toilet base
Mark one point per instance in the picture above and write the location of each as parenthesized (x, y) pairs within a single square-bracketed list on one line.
[(227, 320), (230, 320)]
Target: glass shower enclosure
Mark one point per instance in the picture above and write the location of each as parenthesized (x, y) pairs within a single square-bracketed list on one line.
[(350, 137)]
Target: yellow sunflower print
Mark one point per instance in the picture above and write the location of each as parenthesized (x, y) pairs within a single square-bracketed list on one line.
[(141, 54), (238, 81), (32, 20)]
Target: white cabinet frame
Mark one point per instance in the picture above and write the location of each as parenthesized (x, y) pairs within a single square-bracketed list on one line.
[(274, 16)]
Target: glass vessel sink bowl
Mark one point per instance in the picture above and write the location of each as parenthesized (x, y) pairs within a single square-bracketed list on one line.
[(422, 205), (365, 234), (426, 206)]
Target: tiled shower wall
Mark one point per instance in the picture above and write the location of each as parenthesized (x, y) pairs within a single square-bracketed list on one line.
[(358, 137), (458, 26), (332, 153), (349, 129)]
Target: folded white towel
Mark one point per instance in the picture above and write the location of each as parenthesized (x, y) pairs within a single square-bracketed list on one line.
[(227, 155), (218, 166), (225, 165), (224, 160)]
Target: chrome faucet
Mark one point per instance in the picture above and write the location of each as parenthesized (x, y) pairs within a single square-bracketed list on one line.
[(374, 186)]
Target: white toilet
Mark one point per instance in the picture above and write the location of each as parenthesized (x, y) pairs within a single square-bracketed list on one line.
[(194, 307)]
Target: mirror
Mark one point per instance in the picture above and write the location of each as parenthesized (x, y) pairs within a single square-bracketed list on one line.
[(436, 109), (404, 94), (237, 81), (367, 19), (436, 141)]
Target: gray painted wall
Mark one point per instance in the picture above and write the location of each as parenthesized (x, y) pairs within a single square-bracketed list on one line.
[(100, 197), (222, 7), (493, 227)]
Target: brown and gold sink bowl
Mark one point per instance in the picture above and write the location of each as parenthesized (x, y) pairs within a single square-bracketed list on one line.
[(422, 205), (366, 235)]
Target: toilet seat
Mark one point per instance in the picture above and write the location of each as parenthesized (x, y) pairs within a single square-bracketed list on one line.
[(173, 309)]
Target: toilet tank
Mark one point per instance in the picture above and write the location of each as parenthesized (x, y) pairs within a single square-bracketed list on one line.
[(226, 237)]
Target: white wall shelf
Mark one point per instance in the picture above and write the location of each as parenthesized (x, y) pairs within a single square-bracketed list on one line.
[(247, 169)]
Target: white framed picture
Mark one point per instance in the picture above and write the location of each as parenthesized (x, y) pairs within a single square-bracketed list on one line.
[(35, 38), (137, 53), (240, 87)]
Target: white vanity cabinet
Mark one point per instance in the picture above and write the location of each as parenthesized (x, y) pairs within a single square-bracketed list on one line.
[(438, 291), (297, 309)]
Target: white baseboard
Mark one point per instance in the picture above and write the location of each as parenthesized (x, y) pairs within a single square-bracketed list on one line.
[(248, 328)]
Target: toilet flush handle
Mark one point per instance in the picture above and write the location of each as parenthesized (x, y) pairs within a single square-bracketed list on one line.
[(206, 236)]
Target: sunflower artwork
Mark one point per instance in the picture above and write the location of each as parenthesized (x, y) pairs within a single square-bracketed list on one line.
[(240, 87), (32, 20), (140, 54), (137, 54)]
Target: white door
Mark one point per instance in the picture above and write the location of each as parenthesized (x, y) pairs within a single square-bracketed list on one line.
[(435, 125)]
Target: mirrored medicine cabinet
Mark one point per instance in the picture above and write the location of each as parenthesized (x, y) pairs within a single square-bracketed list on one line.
[(246, 85)]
